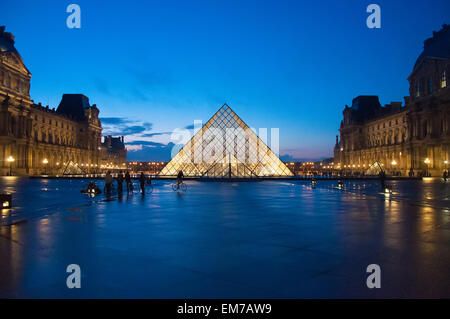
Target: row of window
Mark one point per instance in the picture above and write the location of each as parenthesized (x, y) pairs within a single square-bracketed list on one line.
[(13, 83), (390, 123), (425, 86), (50, 122)]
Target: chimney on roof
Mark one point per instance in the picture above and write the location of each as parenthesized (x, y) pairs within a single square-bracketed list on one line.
[(7, 35)]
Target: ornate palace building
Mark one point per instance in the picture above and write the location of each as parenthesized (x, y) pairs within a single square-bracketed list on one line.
[(403, 139), (38, 140)]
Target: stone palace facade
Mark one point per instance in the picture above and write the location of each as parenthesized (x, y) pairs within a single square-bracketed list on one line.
[(403, 139), (38, 140)]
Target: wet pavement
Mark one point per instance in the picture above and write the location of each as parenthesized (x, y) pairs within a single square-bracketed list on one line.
[(268, 239)]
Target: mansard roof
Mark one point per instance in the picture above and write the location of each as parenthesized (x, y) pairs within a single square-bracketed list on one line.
[(366, 108), (436, 47), (73, 105)]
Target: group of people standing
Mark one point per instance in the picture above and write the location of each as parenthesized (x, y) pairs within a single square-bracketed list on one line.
[(143, 181)]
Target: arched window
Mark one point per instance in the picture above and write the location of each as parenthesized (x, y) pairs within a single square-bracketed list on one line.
[(444, 79)]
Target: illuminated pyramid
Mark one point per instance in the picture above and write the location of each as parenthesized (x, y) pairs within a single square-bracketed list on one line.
[(226, 147)]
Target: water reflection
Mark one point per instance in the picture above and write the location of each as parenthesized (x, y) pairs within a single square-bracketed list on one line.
[(263, 223)]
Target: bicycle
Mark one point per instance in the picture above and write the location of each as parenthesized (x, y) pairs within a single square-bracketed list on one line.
[(182, 186)]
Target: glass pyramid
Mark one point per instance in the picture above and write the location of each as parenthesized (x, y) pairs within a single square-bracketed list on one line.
[(226, 147)]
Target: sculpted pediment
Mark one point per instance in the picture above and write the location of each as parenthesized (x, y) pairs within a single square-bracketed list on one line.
[(14, 61)]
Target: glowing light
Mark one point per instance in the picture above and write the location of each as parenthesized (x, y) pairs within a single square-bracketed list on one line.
[(427, 161), (394, 162), (10, 159), (45, 161), (5, 204)]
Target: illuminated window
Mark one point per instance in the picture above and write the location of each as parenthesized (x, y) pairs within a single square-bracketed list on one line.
[(444, 80)]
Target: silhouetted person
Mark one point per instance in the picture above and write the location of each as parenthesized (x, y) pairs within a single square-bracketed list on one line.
[(108, 182), (180, 178), (411, 172), (382, 177), (120, 183), (445, 175), (142, 180), (128, 181)]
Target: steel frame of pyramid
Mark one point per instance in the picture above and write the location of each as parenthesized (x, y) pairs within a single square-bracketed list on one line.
[(226, 147)]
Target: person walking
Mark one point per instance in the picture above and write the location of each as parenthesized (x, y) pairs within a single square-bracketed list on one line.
[(382, 176), (120, 183), (108, 182), (445, 175), (180, 178), (142, 181), (128, 181)]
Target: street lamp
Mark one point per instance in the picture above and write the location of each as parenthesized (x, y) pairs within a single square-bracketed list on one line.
[(427, 161), (393, 163), (10, 159), (45, 162)]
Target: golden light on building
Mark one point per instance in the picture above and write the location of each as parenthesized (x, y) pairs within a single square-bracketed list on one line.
[(10, 159), (427, 161)]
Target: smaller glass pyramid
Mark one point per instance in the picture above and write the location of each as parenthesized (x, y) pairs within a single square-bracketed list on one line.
[(226, 147)]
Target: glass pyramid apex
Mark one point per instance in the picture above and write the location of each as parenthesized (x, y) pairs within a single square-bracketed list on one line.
[(226, 147)]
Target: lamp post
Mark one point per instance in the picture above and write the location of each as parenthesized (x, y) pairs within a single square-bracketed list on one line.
[(45, 162), (10, 159), (393, 163), (427, 161)]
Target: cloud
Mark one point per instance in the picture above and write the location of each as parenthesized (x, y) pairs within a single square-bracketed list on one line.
[(114, 120), (146, 143), (124, 126), (148, 125), (149, 151), (155, 134), (134, 148), (131, 130)]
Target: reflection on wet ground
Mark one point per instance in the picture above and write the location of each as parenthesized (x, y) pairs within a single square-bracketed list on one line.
[(256, 239)]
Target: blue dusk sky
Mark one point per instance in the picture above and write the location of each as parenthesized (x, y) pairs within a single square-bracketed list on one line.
[(153, 66)]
